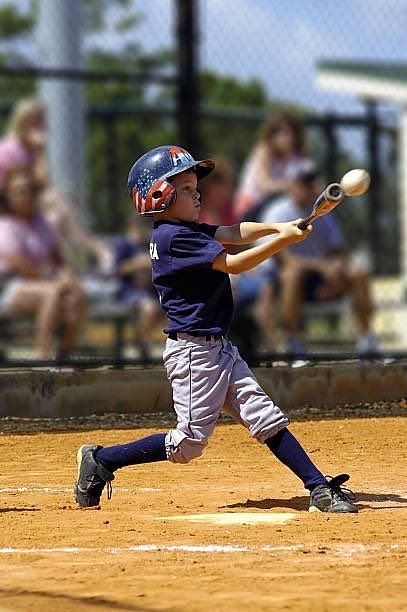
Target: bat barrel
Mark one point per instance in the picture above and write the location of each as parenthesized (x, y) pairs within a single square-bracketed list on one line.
[(334, 192)]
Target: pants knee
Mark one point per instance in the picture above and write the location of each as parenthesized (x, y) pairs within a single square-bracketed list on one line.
[(187, 450), (271, 421)]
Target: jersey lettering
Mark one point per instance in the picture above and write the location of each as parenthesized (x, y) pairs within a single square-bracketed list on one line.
[(153, 250)]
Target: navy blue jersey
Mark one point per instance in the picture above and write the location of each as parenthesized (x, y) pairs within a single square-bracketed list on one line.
[(197, 299)]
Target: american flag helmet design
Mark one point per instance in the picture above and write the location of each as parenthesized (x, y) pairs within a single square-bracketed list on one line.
[(158, 198), (149, 190)]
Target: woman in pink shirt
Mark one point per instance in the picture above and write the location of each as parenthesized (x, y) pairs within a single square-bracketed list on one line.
[(33, 278), (25, 145), (264, 174)]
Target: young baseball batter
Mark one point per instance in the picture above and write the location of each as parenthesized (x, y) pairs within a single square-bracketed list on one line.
[(190, 270)]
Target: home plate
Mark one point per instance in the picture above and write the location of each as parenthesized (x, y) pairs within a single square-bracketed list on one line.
[(234, 518)]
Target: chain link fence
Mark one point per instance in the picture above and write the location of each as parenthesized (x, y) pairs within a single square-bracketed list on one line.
[(207, 74)]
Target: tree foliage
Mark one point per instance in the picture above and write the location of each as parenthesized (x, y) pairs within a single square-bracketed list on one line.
[(97, 13), (13, 22)]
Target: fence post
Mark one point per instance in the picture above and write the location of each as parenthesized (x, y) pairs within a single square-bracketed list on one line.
[(59, 44), (187, 110), (374, 194), (402, 187)]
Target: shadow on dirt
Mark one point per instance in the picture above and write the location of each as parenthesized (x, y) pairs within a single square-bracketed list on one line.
[(378, 498), (302, 502), (19, 510), (49, 600)]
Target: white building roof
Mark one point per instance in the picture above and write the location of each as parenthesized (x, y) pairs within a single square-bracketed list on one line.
[(380, 81)]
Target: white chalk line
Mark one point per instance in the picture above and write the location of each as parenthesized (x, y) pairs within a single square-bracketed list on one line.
[(347, 550), (25, 489), (63, 489)]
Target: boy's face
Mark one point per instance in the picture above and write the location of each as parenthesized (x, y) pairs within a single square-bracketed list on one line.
[(187, 206)]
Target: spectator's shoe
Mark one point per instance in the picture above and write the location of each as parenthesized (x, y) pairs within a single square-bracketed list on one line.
[(92, 477), (296, 347), (367, 344), (331, 497), (300, 363)]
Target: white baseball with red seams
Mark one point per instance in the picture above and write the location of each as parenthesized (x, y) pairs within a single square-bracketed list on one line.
[(355, 182)]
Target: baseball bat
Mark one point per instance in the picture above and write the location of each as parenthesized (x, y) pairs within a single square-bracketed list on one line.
[(332, 195)]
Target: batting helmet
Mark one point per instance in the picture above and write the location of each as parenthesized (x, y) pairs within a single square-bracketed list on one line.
[(148, 188)]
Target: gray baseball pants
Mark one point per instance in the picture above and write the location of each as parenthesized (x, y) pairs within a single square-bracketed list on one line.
[(206, 376)]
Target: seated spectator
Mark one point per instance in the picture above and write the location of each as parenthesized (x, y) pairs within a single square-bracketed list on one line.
[(255, 326), (317, 269), (132, 265), (33, 278), (76, 241), (25, 145), (264, 174), (217, 192)]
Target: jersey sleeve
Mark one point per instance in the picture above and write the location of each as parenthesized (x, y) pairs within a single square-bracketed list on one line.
[(191, 250)]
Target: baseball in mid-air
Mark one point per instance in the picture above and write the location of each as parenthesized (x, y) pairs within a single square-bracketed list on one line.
[(355, 182)]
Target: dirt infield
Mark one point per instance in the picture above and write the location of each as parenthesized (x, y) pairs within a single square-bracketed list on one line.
[(126, 557)]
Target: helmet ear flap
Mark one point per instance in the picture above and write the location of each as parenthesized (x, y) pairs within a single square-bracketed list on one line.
[(159, 197), (163, 194)]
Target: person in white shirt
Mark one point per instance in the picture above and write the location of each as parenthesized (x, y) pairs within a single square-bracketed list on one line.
[(317, 269), (264, 174)]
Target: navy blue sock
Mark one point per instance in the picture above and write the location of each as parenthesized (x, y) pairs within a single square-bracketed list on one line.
[(146, 450), (290, 452)]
